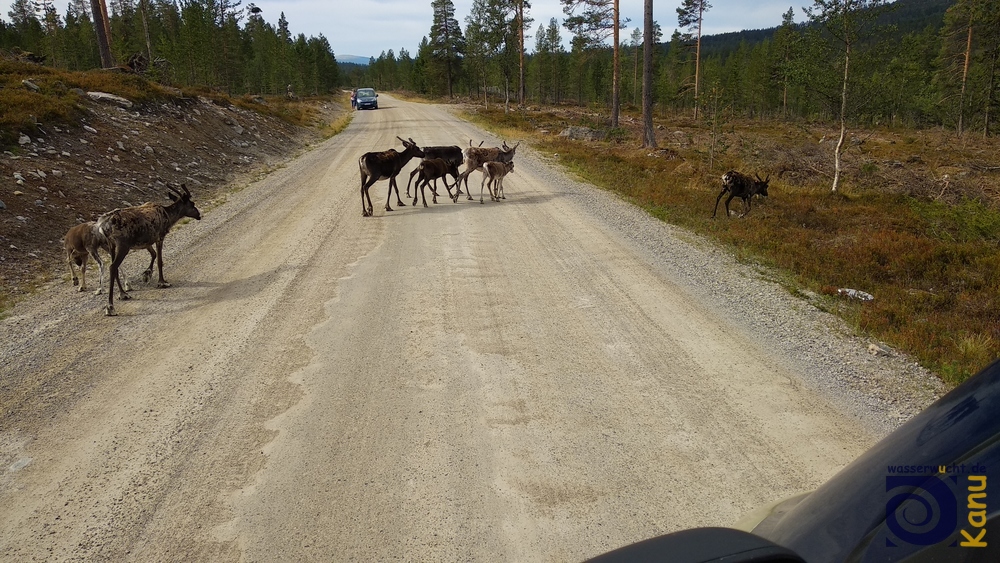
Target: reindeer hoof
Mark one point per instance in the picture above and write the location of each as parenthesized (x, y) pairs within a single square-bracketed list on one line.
[(76, 281), (109, 311), (81, 289), (124, 297), (146, 276), (163, 285), (99, 291)]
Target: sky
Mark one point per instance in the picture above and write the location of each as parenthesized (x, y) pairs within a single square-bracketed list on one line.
[(369, 27)]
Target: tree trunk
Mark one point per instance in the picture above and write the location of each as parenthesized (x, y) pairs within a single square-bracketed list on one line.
[(965, 77), (616, 76), (989, 92), (144, 6), (103, 29), (521, 89), (635, 79), (697, 59), (843, 121), (648, 135)]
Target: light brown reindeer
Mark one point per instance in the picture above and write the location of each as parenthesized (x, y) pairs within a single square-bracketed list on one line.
[(476, 157), (494, 173)]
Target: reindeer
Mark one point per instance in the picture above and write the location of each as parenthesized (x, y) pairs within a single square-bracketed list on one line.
[(142, 226), (741, 186), (432, 169), (81, 243), (451, 154), (384, 165), (476, 157), (494, 173), (84, 241)]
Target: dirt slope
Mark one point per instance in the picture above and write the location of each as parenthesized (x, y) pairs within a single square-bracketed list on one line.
[(61, 176), (531, 380)]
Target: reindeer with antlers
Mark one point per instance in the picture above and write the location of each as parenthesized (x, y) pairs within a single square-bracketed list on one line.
[(384, 165), (140, 227)]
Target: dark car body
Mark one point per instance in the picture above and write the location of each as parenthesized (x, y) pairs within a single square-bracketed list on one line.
[(926, 492), (367, 98)]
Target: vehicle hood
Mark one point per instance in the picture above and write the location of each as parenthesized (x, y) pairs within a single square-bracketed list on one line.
[(846, 518)]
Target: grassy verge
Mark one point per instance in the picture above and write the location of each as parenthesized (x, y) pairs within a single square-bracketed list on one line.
[(916, 223)]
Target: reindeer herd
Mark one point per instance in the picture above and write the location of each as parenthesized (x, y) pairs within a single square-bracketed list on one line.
[(437, 163), (145, 226)]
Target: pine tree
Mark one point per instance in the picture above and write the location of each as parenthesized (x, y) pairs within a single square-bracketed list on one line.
[(446, 40), (648, 134), (597, 20), (690, 15)]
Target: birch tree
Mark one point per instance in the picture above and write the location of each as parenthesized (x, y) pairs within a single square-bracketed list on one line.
[(849, 22)]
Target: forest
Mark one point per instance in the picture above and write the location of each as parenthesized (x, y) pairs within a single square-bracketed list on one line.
[(916, 63), (218, 44)]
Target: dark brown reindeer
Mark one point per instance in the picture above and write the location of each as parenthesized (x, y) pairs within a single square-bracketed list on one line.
[(432, 169), (741, 186), (139, 227), (384, 165), (450, 154), (476, 157)]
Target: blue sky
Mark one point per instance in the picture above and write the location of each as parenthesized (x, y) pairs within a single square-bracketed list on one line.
[(369, 27)]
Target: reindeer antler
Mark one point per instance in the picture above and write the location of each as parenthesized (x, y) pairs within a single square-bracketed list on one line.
[(175, 190)]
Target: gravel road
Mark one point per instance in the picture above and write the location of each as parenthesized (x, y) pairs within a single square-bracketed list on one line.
[(541, 379)]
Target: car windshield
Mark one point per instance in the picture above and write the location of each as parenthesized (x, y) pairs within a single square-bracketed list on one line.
[(366, 93)]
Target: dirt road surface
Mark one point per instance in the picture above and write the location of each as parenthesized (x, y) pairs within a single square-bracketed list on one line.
[(514, 381)]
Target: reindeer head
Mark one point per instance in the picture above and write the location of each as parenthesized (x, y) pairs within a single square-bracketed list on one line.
[(183, 203), (761, 185), (411, 147)]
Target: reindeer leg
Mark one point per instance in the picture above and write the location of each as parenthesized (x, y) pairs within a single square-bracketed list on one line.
[(728, 199), (447, 187), (412, 174), (366, 183), (72, 271), (100, 264), (434, 192), (147, 274), (399, 202), (159, 264), (83, 273), (717, 200), (116, 261)]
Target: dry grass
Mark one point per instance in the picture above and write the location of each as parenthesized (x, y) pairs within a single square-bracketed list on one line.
[(916, 222)]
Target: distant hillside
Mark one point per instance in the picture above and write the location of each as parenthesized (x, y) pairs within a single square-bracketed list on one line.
[(353, 59), (908, 16)]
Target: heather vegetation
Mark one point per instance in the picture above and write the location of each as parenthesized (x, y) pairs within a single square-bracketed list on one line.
[(916, 222)]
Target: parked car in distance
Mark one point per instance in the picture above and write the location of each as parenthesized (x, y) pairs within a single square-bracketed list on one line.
[(920, 495), (367, 98)]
